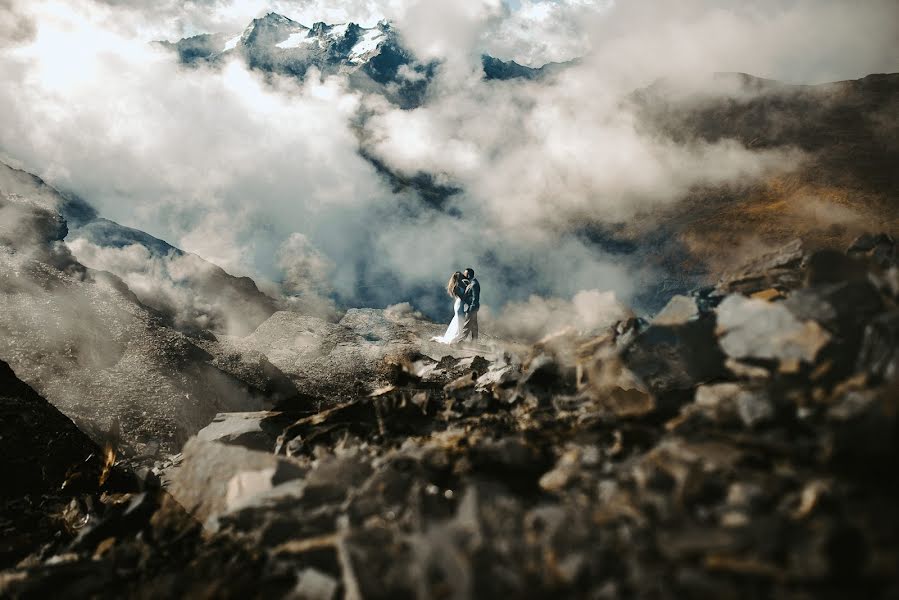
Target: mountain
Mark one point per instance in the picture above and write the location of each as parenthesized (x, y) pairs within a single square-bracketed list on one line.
[(84, 340), (845, 182), (494, 68), (130, 373), (373, 58), (220, 302), (741, 444)]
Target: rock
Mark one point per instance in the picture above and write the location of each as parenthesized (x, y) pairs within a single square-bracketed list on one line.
[(754, 408), (675, 357), (833, 266), (726, 403), (565, 470), (201, 484), (314, 585), (42, 449), (496, 377), (678, 311), (252, 430), (879, 354), (881, 248), (865, 434), (542, 371), (780, 269), (756, 329)]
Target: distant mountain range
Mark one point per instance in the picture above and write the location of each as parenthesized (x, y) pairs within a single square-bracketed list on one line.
[(373, 58)]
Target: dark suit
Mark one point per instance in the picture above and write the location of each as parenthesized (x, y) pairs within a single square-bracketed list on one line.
[(471, 302)]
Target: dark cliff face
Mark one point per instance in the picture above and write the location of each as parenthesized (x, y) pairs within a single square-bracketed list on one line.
[(46, 461), (40, 446)]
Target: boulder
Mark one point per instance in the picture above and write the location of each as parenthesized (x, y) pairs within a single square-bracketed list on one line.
[(678, 311), (213, 475), (879, 353), (750, 328), (251, 430), (780, 269), (675, 357)]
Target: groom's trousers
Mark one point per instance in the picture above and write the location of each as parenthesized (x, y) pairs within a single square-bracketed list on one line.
[(470, 325)]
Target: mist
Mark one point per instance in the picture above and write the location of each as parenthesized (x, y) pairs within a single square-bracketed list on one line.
[(263, 176)]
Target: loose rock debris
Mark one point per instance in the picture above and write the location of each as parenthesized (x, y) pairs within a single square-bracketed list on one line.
[(741, 445)]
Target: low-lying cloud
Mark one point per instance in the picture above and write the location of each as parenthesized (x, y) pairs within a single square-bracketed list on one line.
[(588, 312), (263, 175)]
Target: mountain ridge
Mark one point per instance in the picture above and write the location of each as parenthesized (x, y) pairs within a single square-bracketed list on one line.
[(374, 57), (226, 303)]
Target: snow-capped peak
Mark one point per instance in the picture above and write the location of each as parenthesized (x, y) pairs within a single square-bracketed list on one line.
[(271, 29), (276, 37), (367, 42)]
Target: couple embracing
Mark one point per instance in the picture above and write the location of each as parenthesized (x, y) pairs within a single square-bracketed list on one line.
[(466, 293)]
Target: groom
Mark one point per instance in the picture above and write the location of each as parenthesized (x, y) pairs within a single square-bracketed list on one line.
[(471, 302)]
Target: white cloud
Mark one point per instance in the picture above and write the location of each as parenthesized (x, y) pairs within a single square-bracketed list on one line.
[(588, 312), (237, 168)]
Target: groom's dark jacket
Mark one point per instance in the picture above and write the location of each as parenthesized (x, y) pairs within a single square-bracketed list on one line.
[(472, 295)]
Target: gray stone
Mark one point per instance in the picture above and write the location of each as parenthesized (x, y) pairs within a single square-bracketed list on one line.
[(240, 429), (679, 310), (750, 328), (754, 408), (312, 584), (201, 483), (675, 357)]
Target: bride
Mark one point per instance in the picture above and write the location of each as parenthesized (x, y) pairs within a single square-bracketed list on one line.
[(455, 288)]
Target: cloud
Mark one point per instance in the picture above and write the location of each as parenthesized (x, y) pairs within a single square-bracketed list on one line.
[(537, 157), (188, 289), (15, 27), (447, 31), (263, 175), (588, 312), (539, 32), (803, 41), (307, 276)]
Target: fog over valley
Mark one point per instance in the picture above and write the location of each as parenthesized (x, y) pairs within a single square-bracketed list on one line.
[(339, 190)]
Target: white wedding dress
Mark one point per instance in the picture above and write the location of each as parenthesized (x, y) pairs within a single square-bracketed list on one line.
[(452, 334)]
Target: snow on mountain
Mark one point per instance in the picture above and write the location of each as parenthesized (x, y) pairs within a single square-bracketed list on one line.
[(344, 44), (369, 42), (295, 40), (232, 43), (373, 57)]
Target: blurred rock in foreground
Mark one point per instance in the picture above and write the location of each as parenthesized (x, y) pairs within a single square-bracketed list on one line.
[(741, 445)]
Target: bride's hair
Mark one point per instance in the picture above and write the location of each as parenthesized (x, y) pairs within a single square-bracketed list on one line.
[(453, 283)]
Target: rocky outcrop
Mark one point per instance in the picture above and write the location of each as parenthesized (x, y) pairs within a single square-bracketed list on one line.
[(621, 465), (87, 344), (42, 449), (330, 362), (219, 302), (46, 462)]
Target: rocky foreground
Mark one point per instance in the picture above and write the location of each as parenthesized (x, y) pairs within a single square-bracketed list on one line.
[(743, 443)]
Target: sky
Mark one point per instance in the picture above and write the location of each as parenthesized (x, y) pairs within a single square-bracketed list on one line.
[(264, 177)]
